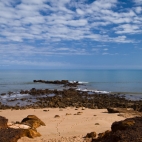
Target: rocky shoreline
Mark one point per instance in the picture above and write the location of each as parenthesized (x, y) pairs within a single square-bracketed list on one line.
[(71, 97)]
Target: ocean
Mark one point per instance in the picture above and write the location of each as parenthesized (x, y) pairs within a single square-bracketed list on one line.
[(127, 82)]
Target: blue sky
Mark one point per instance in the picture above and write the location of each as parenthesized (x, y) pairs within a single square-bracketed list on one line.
[(71, 34)]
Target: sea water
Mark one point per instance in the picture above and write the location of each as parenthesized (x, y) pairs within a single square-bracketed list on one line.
[(118, 81)]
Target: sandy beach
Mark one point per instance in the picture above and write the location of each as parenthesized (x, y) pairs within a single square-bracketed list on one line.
[(71, 125)]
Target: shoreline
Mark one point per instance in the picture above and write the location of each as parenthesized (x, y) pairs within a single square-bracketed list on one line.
[(69, 124), (69, 114), (71, 97)]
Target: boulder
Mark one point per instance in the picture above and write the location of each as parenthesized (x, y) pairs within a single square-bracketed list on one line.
[(122, 125), (128, 130), (119, 110), (17, 130), (32, 121)]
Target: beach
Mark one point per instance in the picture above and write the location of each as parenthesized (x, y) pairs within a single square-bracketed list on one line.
[(70, 124), (69, 109)]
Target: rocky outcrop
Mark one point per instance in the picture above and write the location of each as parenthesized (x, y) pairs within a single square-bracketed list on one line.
[(9, 134), (64, 82), (129, 130)]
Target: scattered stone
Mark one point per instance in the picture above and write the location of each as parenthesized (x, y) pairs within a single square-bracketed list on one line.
[(68, 113), (45, 110), (83, 108), (97, 124), (56, 116), (79, 113)]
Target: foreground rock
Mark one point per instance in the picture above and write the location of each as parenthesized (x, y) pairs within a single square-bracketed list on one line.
[(129, 130), (12, 133), (3, 122), (32, 121)]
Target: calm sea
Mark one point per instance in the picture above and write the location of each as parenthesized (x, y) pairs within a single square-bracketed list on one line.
[(124, 81)]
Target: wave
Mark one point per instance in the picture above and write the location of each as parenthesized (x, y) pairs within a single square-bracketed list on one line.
[(93, 91), (80, 82)]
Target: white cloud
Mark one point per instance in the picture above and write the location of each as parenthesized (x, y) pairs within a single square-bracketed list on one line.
[(138, 9), (105, 49), (58, 20), (128, 28), (79, 11), (138, 1)]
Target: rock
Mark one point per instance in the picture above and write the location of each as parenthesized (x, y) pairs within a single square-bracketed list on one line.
[(31, 133), (68, 113), (97, 124), (91, 135), (13, 134), (122, 125), (3, 122), (56, 116), (64, 82), (3, 94), (32, 121), (100, 135), (119, 110), (10, 135), (129, 130), (113, 110), (79, 113)]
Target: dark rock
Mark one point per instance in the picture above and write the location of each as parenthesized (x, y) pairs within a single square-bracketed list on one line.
[(129, 130), (122, 125), (91, 135), (3, 94), (64, 82), (100, 135), (113, 110), (3, 122), (56, 116)]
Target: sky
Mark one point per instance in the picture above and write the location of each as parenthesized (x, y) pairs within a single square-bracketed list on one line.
[(70, 34)]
